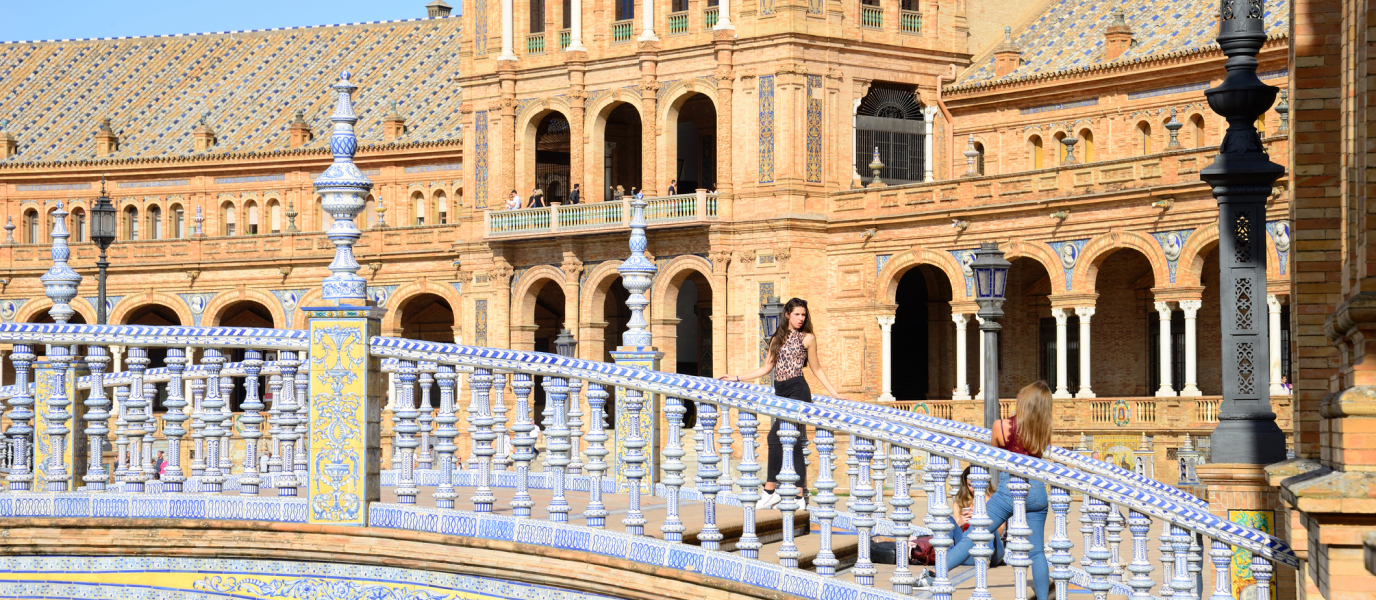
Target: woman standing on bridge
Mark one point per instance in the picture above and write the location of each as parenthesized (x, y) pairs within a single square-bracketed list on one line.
[(792, 347)]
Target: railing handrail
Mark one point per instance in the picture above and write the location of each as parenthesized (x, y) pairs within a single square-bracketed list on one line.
[(699, 389), (154, 336)]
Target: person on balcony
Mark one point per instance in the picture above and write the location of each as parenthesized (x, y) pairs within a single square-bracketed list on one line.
[(574, 195), (792, 347), (673, 187), (514, 202), (1028, 433), (618, 193), (537, 199)]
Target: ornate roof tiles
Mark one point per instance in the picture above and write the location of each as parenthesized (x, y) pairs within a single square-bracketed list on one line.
[(246, 85), (1069, 35)]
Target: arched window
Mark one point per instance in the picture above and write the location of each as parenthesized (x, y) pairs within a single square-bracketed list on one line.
[(891, 119), (1197, 130), (252, 218), (230, 218), (979, 160), (178, 221), (1060, 147), (131, 223), (441, 208), (78, 225), (1143, 138), (537, 16), (1034, 151), (370, 211), (322, 220), (275, 216), (418, 204), (31, 227), (154, 223), (1086, 145)]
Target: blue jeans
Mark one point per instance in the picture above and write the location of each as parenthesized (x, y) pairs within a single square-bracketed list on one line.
[(1000, 509)]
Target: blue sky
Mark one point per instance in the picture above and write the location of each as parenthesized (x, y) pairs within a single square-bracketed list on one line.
[(71, 19)]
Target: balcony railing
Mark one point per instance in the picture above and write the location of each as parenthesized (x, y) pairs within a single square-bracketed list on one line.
[(871, 17), (565, 38), (601, 216), (910, 21), (709, 17), (1088, 414), (678, 23), (535, 43), (621, 31)]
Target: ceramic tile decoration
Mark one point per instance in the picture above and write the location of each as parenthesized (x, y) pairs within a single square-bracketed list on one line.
[(346, 390), (480, 151), (1172, 242), (814, 128), (766, 120), (1069, 253), (1280, 236)]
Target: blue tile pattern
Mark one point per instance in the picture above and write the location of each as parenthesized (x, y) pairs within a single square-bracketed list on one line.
[(814, 128), (1280, 236), (480, 184), (1069, 253), (155, 89), (480, 322), (965, 257), (149, 184), (1060, 106), (480, 27), (458, 166), (1172, 242), (766, 129), (1175, 89), (52, 187), (879, 262), (1069, 35), (249, 179)]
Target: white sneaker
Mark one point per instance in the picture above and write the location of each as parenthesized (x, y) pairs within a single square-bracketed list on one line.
[(802, 501), (768, 500)]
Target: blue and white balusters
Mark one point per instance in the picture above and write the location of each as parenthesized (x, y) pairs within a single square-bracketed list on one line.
[(286, 482), (445, 431), (214, 478), (710, 536), (788, 490), (596, 512), (1140, 567), (1098, 553), (862, 503), (426, 420), (938, 519), (1019, 548), (1222, 557), (826, 561), (198, 428), (481, 383), (406, 431), (749, 544), (21, 414), (1060, 559), (502, 460), (983, 548), (303, 415), (673, 467), (172, 476), (121, 396), (97, 419), (557, 444), (725, 440), (635, 461), (523, 442), (574, 418)]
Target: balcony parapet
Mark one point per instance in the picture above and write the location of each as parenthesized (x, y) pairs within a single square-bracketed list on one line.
[(598, 217)]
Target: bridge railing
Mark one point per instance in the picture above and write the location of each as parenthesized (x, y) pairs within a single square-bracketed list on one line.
[(504, 437)]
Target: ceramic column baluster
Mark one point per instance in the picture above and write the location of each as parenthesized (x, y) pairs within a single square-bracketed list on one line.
[(1196, 565), (133, 472), (557, 443), (1181, 581), (406, 431), (862, 504), (983, 548), (286, 482), (446, 432), (1167, 551), (1098, 553), (252, 420), (1086, 529), (1140, 567), (1060, 559), (97, 419), (1115, 527), (173, 477), (303, 417), (788, 490), (275, 420), (938, 519), (879, 475), (227, 425), (697, 452), (596, 512), (826, 561), (1222, 556), (725, 440), (1019, 548), (710, 536), (198, 426), (138, 366), (481, 383), (502, 460), (546, 422), (21, 414), (59, 419), (902, 516), (635, 462), (523, 442), (1261, 571), (472, 432), (427, 415), (673, 467), (214, 479), (852, 470), (574, 418), (749, 544), (121, 434)]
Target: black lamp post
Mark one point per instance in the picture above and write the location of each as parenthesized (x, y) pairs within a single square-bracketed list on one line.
[(770, 313), (991, 279), (565, 343), (1241, 176), (103, 227)]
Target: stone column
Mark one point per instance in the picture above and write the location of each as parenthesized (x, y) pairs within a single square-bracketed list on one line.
[(1273, 312), (647, 23), (962, 391), (886, 326), (1163, 310), (726, 81), (1062, 354), (578, 98), (1085, 313), (721, 261), (576, 29), (927, 158), (724, 15), (649, 130), (1191, 310), (507, 31), (980, 320)]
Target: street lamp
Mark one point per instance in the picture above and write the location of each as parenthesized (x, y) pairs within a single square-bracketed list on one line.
[(770, 313), (991, 279), (565, 343), (103, 228)]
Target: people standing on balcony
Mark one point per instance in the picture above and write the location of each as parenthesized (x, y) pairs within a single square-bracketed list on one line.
[(573, 196), (673, 187), (160, 464), (537, 199), (1028, 432), (792, 347), (618, 193), (514, 202)]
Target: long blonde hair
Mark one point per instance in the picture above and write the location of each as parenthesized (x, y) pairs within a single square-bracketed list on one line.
[(1033, 416)]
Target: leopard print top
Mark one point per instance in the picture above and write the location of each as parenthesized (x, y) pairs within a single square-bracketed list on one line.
[(792, 357)]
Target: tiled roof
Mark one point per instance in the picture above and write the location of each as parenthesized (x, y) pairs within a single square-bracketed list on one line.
[(1069, 35), (248, 85)]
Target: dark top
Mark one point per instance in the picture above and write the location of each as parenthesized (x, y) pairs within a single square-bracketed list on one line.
[(573, 196), (1011, 441), (538, 200)]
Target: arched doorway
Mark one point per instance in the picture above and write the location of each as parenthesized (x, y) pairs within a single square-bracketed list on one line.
[(545, 318), (427, 317), (552, 157), (923, 355), (621, 151), (695, 165), (891, 119), (693, 344), (1124, 323), (246, 313), (1026, 313)]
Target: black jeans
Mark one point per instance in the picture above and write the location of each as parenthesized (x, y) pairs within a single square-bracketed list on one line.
[(795, 388)]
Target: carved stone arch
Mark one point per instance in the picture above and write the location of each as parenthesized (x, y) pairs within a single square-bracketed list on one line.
[(391, 322), (594, 290), (527, 130), (214, 310), (40, 305), (679, 91), (1189, 270), (1100, 247), (526, 291), (668, 280), (887, 288), (1041, 253), (600, 108), (133, 302)]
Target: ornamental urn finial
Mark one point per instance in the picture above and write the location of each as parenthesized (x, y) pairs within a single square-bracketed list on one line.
[(637, 274), (343, 188), (60, 282)]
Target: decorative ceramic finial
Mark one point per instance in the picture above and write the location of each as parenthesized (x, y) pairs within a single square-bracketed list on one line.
[(637, 274), (199, 220), (876, 165), (60, 282), (1282, 109), (1174, 126), (970, 155), (1069, 142), (343, 188), (291, 217), (9, 229)]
